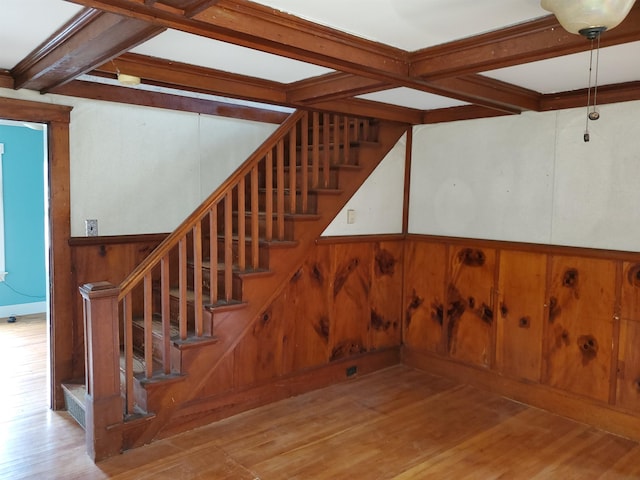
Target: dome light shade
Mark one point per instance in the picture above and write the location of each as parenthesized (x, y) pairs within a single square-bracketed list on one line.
[(587, 15), (128, 80)]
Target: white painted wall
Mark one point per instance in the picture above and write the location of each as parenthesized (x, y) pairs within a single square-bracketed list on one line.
[(377, 205), (143, 170), (531, 178)]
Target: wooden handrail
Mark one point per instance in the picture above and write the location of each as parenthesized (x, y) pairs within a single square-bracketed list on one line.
[(138, 274)]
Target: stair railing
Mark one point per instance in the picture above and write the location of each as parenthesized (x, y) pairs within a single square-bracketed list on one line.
[(231, 215)]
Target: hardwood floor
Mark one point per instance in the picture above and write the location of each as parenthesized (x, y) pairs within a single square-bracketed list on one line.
[(395, 424)]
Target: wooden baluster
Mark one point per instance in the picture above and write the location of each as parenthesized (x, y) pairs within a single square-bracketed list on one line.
[(166, 314), (366, 131), (346, 142), (315, 154), (304, 162), (255, 220), (228, 245), (326, 149), (213, 254), (356, 129), (182, 287), (242, 218), (280, 188), (293, 167), (268, 221), (197, 278), (335, 157), (127, 314), (148, 326)]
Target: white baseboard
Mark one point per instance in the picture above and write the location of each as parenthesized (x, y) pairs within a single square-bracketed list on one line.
[(22, 309)]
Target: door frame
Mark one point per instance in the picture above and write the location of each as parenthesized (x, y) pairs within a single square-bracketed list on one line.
[(61, 290)]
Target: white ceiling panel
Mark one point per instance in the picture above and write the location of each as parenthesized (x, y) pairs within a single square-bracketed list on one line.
[(25, 24), (408, 97), (192, 49), (617, 64), (412, 24)]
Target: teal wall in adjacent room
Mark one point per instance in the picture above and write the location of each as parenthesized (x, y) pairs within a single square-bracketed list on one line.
[(24, 220)]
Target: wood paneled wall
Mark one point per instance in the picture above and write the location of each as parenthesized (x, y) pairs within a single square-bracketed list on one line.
[(108, 259), (555, 320), (344, 301)]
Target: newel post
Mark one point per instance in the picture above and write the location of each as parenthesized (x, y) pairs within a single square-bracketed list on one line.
[(103, 404)]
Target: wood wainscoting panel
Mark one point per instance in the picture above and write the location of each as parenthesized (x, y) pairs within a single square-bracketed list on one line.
[(579, 333), (470, 305), (349, 299), (307, 314), (520, 314), (628, 371), (630, 291), (386, 295), (425, 267)]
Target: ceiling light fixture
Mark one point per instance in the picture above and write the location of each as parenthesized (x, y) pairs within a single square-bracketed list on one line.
[(124, 79), (589, 18)]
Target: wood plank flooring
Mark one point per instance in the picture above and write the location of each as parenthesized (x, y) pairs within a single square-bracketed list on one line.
[(395, 424)]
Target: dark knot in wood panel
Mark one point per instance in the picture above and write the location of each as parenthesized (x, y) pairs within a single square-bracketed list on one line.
[(486, 313), (554, 309), (322, 328), (103, 251), (633, 276), (414, 304), (316, 274), (524, 322), (472, 257), (437, 313), (561, 335), (347, 348), (296, 276), (588, 348), (471, 302), (343, 275), (570, 278), (636, 384), (504, 311), (385, 263), (378, 322)]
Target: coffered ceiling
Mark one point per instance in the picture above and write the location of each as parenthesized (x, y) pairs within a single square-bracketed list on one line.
[(417, 61)]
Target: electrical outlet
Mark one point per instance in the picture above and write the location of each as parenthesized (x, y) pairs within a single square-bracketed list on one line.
[(91, 227)]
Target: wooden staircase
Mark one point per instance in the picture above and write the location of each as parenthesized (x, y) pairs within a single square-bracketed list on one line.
[(185, 308)]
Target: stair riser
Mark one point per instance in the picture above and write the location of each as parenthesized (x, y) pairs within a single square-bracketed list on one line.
[(236, 287), (262, 227), (312, 202), (263, 253), (174, 314)]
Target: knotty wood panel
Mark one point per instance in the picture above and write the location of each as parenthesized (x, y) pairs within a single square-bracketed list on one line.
[(630, 296), (628, 381), (470, 312), (520, 313), (349, 297), (259, 354), (308, 325), (425, 268), (580, 327), (386, 295)]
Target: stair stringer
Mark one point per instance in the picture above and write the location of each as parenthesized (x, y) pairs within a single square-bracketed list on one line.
[(200, 364)]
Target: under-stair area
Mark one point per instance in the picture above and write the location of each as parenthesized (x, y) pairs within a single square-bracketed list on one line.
[(184, 309)]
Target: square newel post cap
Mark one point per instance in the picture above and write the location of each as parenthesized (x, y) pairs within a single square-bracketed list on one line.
[(99, 290)]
